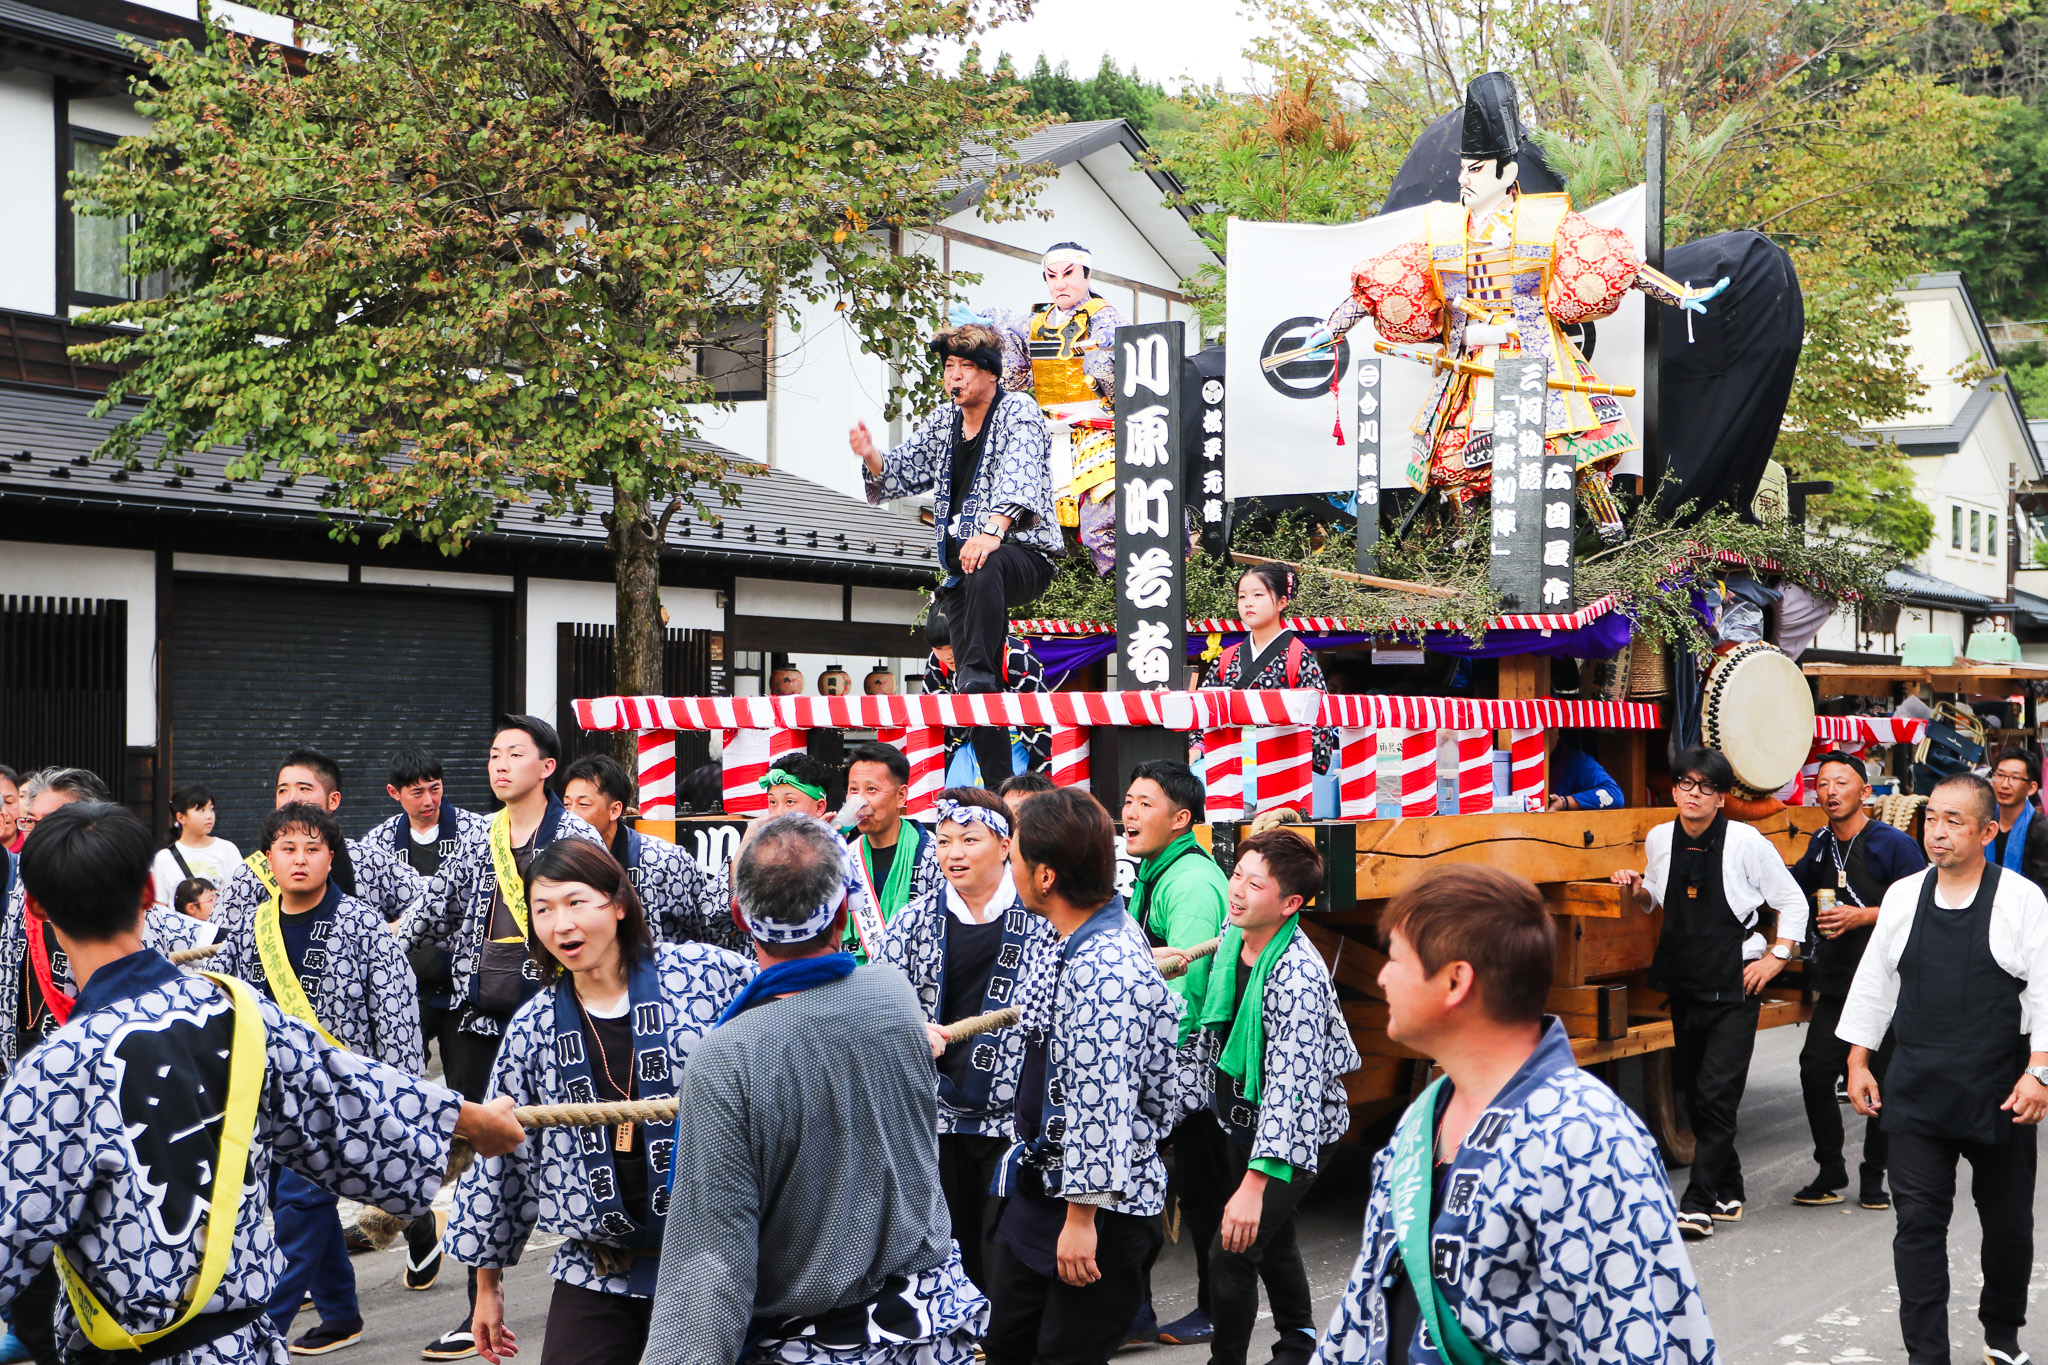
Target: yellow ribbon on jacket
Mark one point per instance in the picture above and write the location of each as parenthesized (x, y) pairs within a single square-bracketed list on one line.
[(259, 863), (285, 987), (245, 1086), (511, 885)]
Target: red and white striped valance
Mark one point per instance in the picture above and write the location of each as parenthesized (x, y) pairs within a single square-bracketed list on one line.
[(1868, 729), (1486, 713)]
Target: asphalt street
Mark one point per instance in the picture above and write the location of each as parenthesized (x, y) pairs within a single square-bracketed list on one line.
[(1785, 1286)]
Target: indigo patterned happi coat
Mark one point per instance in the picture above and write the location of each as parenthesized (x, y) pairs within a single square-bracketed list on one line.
[(677, 894), (500, 1200), (111, 1127), (1112, 1066), (916, 946), (1302, 1106), (1558, 1243), (360, 984), (1014, 478), (387, 882)]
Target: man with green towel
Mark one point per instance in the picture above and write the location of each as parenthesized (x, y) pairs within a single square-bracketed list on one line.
[(896, 858), (1282, 1051), (1179, 901)]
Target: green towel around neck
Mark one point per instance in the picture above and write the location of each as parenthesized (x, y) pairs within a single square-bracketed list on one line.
[(1244, 1052)]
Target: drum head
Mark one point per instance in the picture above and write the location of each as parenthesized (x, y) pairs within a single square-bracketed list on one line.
[(1759, 714)]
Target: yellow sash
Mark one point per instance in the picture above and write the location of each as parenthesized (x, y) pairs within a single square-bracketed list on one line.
[(285, 988), (259, 863), (511, 885), (245, 1086)]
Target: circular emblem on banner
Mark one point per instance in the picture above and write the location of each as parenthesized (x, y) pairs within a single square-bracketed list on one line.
[(1308, 377), (1583, 335)]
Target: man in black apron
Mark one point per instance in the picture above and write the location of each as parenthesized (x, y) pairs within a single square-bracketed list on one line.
[(1958, 968), (1711, 875), (1854, 859)]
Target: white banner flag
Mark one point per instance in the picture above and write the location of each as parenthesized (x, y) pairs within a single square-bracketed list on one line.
[(1284, 279)]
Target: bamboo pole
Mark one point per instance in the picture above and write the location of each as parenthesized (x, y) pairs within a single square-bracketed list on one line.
[(1365, 579)]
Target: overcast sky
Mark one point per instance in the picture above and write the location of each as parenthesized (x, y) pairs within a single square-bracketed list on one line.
[(1165, 39)]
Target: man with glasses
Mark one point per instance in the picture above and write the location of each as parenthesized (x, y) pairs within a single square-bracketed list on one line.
[(1855, 858), (1711, 876), (2022, 842)]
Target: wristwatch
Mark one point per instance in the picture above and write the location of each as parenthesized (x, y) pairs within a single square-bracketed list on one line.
[(1781, 952), (992, 527), (2039, 1073)]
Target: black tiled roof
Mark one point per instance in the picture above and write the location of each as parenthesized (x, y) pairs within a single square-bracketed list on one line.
[(781, 525)]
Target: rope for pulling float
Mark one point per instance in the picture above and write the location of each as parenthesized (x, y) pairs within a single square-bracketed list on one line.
[(978, 1024)]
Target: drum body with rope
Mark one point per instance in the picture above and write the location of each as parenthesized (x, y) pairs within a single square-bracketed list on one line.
[(1757, 709)]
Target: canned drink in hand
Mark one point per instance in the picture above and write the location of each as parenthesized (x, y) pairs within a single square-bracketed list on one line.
[(1823, 902)]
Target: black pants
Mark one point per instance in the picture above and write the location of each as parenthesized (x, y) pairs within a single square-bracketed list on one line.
[(967, 1164), (33, 1315), (1274, 1257), (586, 1327), (1197, 1182), (1711, 1044), (437, 1025), (977, 610), (1923, 1173), (466, 1061), (1823, 1059), (1042, 1320)]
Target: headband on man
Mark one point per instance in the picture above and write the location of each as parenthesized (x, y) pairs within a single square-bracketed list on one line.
[(961, 813), (779, 777), (989, 358), (1066, 255), (820, 919)]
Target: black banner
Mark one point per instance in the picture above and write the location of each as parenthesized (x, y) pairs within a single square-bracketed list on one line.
[(1151, 619), (1369, 433), (1517, 451)]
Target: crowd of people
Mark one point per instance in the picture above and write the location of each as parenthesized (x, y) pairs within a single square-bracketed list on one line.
[(817, 1136)]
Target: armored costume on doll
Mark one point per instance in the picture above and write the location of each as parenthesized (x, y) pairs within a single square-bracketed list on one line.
[(1504, 273), (1060, 353)]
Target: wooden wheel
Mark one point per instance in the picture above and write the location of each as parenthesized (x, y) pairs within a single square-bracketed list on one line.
[(1660, 1110)]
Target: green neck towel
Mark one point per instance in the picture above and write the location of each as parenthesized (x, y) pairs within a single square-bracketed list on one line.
[(1244, 1053), (1150, 870)]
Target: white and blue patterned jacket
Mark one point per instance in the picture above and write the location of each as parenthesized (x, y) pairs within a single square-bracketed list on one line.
[(676, 893), (360, 986), (500, 1200), (455, 914), (1302, 1106), (1015, 477), (108, 1152), (164, 931), (384, 880), (1571, 1253), (1112, 1062), (916, 946)]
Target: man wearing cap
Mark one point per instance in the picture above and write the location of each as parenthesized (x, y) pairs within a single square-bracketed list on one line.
[(986, 461)]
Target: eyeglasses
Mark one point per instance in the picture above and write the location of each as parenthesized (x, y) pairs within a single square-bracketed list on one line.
[(1694, 784)]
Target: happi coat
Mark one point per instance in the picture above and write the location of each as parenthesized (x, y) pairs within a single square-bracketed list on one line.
[(110, 1130), (383, 879), (501, 1199), (1559, 1230), (1302, 1106)]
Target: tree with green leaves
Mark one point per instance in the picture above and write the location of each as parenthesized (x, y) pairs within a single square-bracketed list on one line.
[(1110, 93), (474, 253)]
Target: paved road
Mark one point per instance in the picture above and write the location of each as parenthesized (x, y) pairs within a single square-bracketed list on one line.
[(1786, 1286)]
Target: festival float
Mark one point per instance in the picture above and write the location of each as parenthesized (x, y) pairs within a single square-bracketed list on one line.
[(1572, 543)]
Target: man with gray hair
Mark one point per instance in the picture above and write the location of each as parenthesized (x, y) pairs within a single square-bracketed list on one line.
[(1957, 968), (806, 1221)]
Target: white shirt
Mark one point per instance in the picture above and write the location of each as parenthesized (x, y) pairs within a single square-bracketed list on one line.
[(1752, 873), (2019, 944), (214, 862), (1005, 896)]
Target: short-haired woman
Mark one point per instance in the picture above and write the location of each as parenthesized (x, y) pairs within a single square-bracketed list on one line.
[(1098, 1089), (965, 946), (615, 1019), (1281, 1049)]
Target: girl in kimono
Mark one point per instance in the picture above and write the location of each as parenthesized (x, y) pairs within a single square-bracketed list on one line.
[(1281, 1049), (965, 945), (615, 1019), (328, 961), (1271, 657)]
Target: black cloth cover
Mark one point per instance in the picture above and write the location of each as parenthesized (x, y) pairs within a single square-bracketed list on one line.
[(1430, 173), (1724, 384)]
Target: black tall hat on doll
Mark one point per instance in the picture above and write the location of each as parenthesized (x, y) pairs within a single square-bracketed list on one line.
[(1493, 128)]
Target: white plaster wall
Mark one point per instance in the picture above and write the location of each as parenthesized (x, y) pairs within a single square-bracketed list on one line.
[(28, 570), (551, 601), (114, 114), (28, 168), (259, 568), (1938, 338), (787, 600), (436, 578), (887, 604)]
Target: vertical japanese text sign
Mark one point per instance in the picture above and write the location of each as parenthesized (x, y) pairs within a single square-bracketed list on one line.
[(1151, 620), (1520, 540), (1368, 442), (1215, 526)]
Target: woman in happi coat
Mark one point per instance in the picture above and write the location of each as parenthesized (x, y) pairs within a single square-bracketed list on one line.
[(965, 945), (1271, 656), (1281, 1049), (615, 1019)]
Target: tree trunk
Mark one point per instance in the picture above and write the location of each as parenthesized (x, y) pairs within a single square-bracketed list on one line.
[(639, 634)]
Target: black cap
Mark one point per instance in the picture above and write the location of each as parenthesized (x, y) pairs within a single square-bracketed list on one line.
[(1493, 128)]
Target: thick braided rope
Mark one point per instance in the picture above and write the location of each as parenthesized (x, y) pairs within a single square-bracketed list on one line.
[(204, 950), (978, 1024), (604, 1111)]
